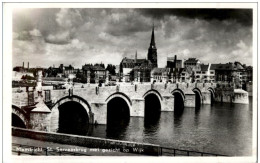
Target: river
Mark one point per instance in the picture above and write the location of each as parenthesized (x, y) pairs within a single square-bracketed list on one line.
[(222, 129)]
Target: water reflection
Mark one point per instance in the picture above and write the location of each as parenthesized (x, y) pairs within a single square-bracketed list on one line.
[(178, 119), (197, 116), (116, 129), (221, 128), (151, 123)]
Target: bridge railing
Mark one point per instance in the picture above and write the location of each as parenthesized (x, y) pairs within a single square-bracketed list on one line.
[(166, 151)]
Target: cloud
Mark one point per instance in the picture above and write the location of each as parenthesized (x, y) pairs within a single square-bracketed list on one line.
[(59, 38), (243, 16), (206, 40), (68, 18), (24, 35), (79, 36), (127, 23), (242, 49), (35, 32)]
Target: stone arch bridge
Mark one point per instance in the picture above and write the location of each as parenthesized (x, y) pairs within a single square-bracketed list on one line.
[(94, 101)]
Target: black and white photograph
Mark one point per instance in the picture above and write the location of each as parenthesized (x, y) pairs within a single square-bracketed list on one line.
[(132, 80)]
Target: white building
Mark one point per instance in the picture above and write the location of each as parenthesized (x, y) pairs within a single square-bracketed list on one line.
[(159, 75)]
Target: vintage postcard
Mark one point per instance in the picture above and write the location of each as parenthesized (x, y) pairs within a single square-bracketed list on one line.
[(143, 81)]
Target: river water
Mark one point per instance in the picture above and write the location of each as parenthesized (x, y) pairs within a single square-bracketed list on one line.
[(222, 129)]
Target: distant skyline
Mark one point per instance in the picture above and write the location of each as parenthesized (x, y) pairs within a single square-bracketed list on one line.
[(46, 37)]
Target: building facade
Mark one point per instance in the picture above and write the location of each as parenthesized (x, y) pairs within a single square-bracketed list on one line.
[(94, 74), (139, 70), (192, 62), (160, 75)]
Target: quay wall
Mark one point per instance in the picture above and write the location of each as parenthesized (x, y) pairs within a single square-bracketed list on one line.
[(90, 142)]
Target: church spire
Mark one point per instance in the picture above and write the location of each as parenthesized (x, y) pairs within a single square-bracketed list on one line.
[(152, 51), (152, 44)]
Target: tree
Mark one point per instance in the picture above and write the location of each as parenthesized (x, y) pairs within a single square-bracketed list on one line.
[(23, 77), (92, 76), (237, 82), (78, 74), (111, 69)]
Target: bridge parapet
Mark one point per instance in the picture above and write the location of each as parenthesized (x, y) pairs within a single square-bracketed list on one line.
[(135, 95), (94, 93), (20, 99)]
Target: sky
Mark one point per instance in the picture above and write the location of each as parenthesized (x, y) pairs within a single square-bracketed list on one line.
[(76, 36)]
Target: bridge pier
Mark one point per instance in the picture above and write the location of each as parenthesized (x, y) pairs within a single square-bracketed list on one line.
[(190, 100), (100, 113), (40, 116), (206, 97), (138, 107), (40, 121), (96, 104), (167, 103)]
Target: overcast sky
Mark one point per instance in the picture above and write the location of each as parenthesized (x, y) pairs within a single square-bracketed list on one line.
[(46, 37)]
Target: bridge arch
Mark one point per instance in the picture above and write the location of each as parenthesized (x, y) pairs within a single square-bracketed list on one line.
[(153, 104), (120, 95), (119, 106), (73, 111), (211, 90), (179, 99), (198, 97), (180, 92), (19, 118), (212, 94), (155, 92)]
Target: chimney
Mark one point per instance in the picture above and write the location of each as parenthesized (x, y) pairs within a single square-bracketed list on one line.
[(135, 56), (28, 65), (23, 64), (175, 60)]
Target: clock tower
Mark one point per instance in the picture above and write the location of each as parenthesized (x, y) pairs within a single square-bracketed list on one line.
[(152, 51)]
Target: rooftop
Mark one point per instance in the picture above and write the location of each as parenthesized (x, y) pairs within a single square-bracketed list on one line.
[(159, 70), (226, 66), (191, 60), (204, 67), (128, 60)]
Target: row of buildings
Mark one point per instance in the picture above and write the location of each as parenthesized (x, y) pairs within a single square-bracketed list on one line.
[(87, 74), (191, 70), (146, 70)]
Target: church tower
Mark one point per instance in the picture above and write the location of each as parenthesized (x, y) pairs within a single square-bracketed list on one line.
[(152, 51)]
